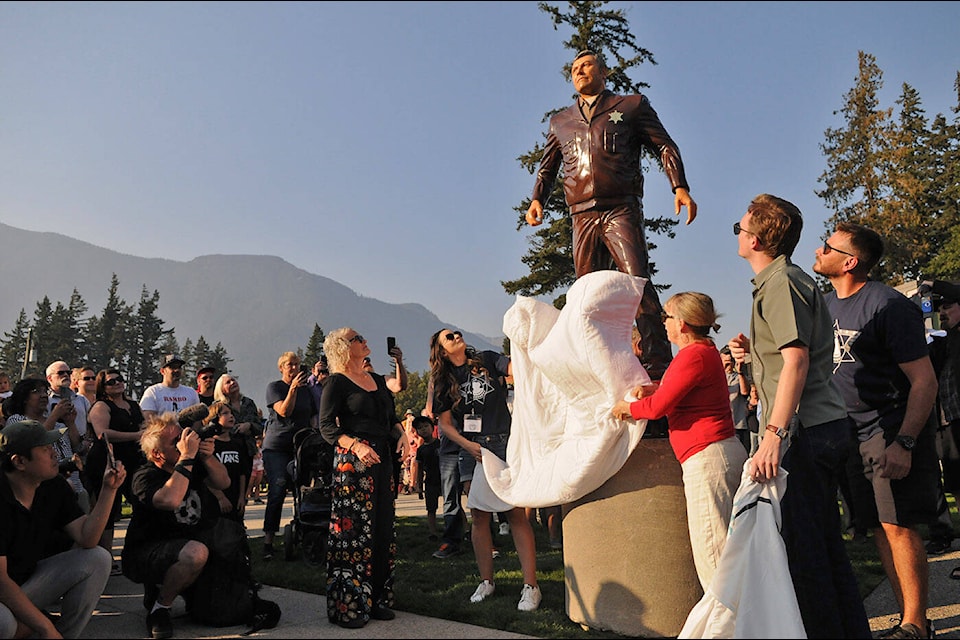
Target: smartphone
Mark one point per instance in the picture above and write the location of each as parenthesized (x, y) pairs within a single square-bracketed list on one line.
[(391, 343), (111, 461)]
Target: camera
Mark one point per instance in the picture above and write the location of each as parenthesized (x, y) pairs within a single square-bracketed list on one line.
[(210, 431)]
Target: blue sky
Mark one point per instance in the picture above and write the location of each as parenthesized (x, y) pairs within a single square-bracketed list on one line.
[(376, 143)]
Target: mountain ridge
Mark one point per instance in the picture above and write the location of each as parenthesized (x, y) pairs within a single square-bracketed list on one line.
[(256, 306)]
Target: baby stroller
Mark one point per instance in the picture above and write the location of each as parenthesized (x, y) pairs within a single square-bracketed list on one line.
[(311, 472)]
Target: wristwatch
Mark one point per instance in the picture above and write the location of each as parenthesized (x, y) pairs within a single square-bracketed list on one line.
[(907, 442), (779, 431)]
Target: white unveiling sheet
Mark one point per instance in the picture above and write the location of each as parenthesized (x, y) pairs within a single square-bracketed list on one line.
[(569, 368)]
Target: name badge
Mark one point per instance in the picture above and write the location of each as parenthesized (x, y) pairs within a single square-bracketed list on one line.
[(472, 424)]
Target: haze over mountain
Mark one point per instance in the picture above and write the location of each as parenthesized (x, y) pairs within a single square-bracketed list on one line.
[(256, 306)]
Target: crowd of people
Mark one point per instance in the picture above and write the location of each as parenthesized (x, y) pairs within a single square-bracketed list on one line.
[(841, 391)]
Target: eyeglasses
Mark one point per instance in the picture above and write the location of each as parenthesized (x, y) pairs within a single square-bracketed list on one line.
[(113, 381), (206, 377), (737, 229), (357, 338), (827, 249), (664, 315), (64, 373), (88, 378)]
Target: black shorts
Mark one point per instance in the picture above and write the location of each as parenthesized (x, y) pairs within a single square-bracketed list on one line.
[(431, 497), (906, 502), (148, 564)]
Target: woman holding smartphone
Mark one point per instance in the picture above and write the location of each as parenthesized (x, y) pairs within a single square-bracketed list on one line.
[(118, 424)]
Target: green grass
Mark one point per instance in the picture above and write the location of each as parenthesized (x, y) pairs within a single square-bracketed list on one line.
[(442, 588)]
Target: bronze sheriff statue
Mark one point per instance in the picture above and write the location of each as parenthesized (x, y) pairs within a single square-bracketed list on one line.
[(599, 140)]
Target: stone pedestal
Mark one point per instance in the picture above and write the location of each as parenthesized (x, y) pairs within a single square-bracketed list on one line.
[(628, 562)]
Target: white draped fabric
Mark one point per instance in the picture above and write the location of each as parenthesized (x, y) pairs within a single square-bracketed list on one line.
[(569, 368), (751, 595)]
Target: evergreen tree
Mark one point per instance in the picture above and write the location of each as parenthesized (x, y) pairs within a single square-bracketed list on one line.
[(314, 346), (857, 155), (199, 358), (106, 339), (550, 258), (42, 334), (13, 348), (143, 350), (896, 177), (945, 138), (76, 311), (219, 360)]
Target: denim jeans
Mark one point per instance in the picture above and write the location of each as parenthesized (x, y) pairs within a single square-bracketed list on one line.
[(79, 575), (823, 577), (275, 467), (452, 505)]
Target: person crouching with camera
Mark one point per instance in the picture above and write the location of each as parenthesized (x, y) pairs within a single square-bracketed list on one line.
[(173, 506)]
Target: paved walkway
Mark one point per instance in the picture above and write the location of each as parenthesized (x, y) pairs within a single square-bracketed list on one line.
[(121, 613)]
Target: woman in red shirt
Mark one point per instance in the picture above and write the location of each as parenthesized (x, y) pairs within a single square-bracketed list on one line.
[(693, 395)]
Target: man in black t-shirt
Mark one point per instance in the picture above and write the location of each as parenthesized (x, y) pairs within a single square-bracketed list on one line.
[(173, 508), (30, 580)]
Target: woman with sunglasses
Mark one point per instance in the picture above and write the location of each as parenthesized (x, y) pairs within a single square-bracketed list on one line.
[(118, 416), (694, 397), (358, 418), (470, 398)]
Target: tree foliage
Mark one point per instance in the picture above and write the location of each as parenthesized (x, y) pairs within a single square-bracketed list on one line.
[(414, 397), (128, 338), (897, 175), (550, 256)]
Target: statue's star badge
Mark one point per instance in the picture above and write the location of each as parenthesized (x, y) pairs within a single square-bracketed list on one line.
[(616, 116)]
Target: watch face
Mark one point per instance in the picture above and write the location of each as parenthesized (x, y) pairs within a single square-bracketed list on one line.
[(907, 442)]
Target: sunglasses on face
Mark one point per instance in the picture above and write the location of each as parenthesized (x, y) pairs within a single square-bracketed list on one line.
[(450, 336), (206, 377), (664, 316), (88, 378), (110, 382), (357, 338), (63, 374), (737, 229), (827, 249)]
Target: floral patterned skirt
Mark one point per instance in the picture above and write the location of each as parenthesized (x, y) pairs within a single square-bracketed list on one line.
[(362, 547)]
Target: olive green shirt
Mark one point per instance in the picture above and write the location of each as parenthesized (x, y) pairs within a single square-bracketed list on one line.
[(789, 310)]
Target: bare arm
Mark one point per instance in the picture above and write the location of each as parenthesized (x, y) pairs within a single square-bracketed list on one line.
[(285, 407), (896, 461), (796, 361)]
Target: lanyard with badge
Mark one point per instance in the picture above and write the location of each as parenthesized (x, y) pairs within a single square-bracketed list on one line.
[(472, 422)]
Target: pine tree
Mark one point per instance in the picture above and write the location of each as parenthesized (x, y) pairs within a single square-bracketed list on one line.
[(13, 348), (106, 334), (856, 155), (945, 138), (314, 349), (143, 350), (550, 257)]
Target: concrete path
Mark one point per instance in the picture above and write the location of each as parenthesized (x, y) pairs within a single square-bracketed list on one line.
[(121, 613)]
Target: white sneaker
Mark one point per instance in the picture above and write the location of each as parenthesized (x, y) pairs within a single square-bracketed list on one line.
[(485, 589), (504, 528), (530, 598)]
